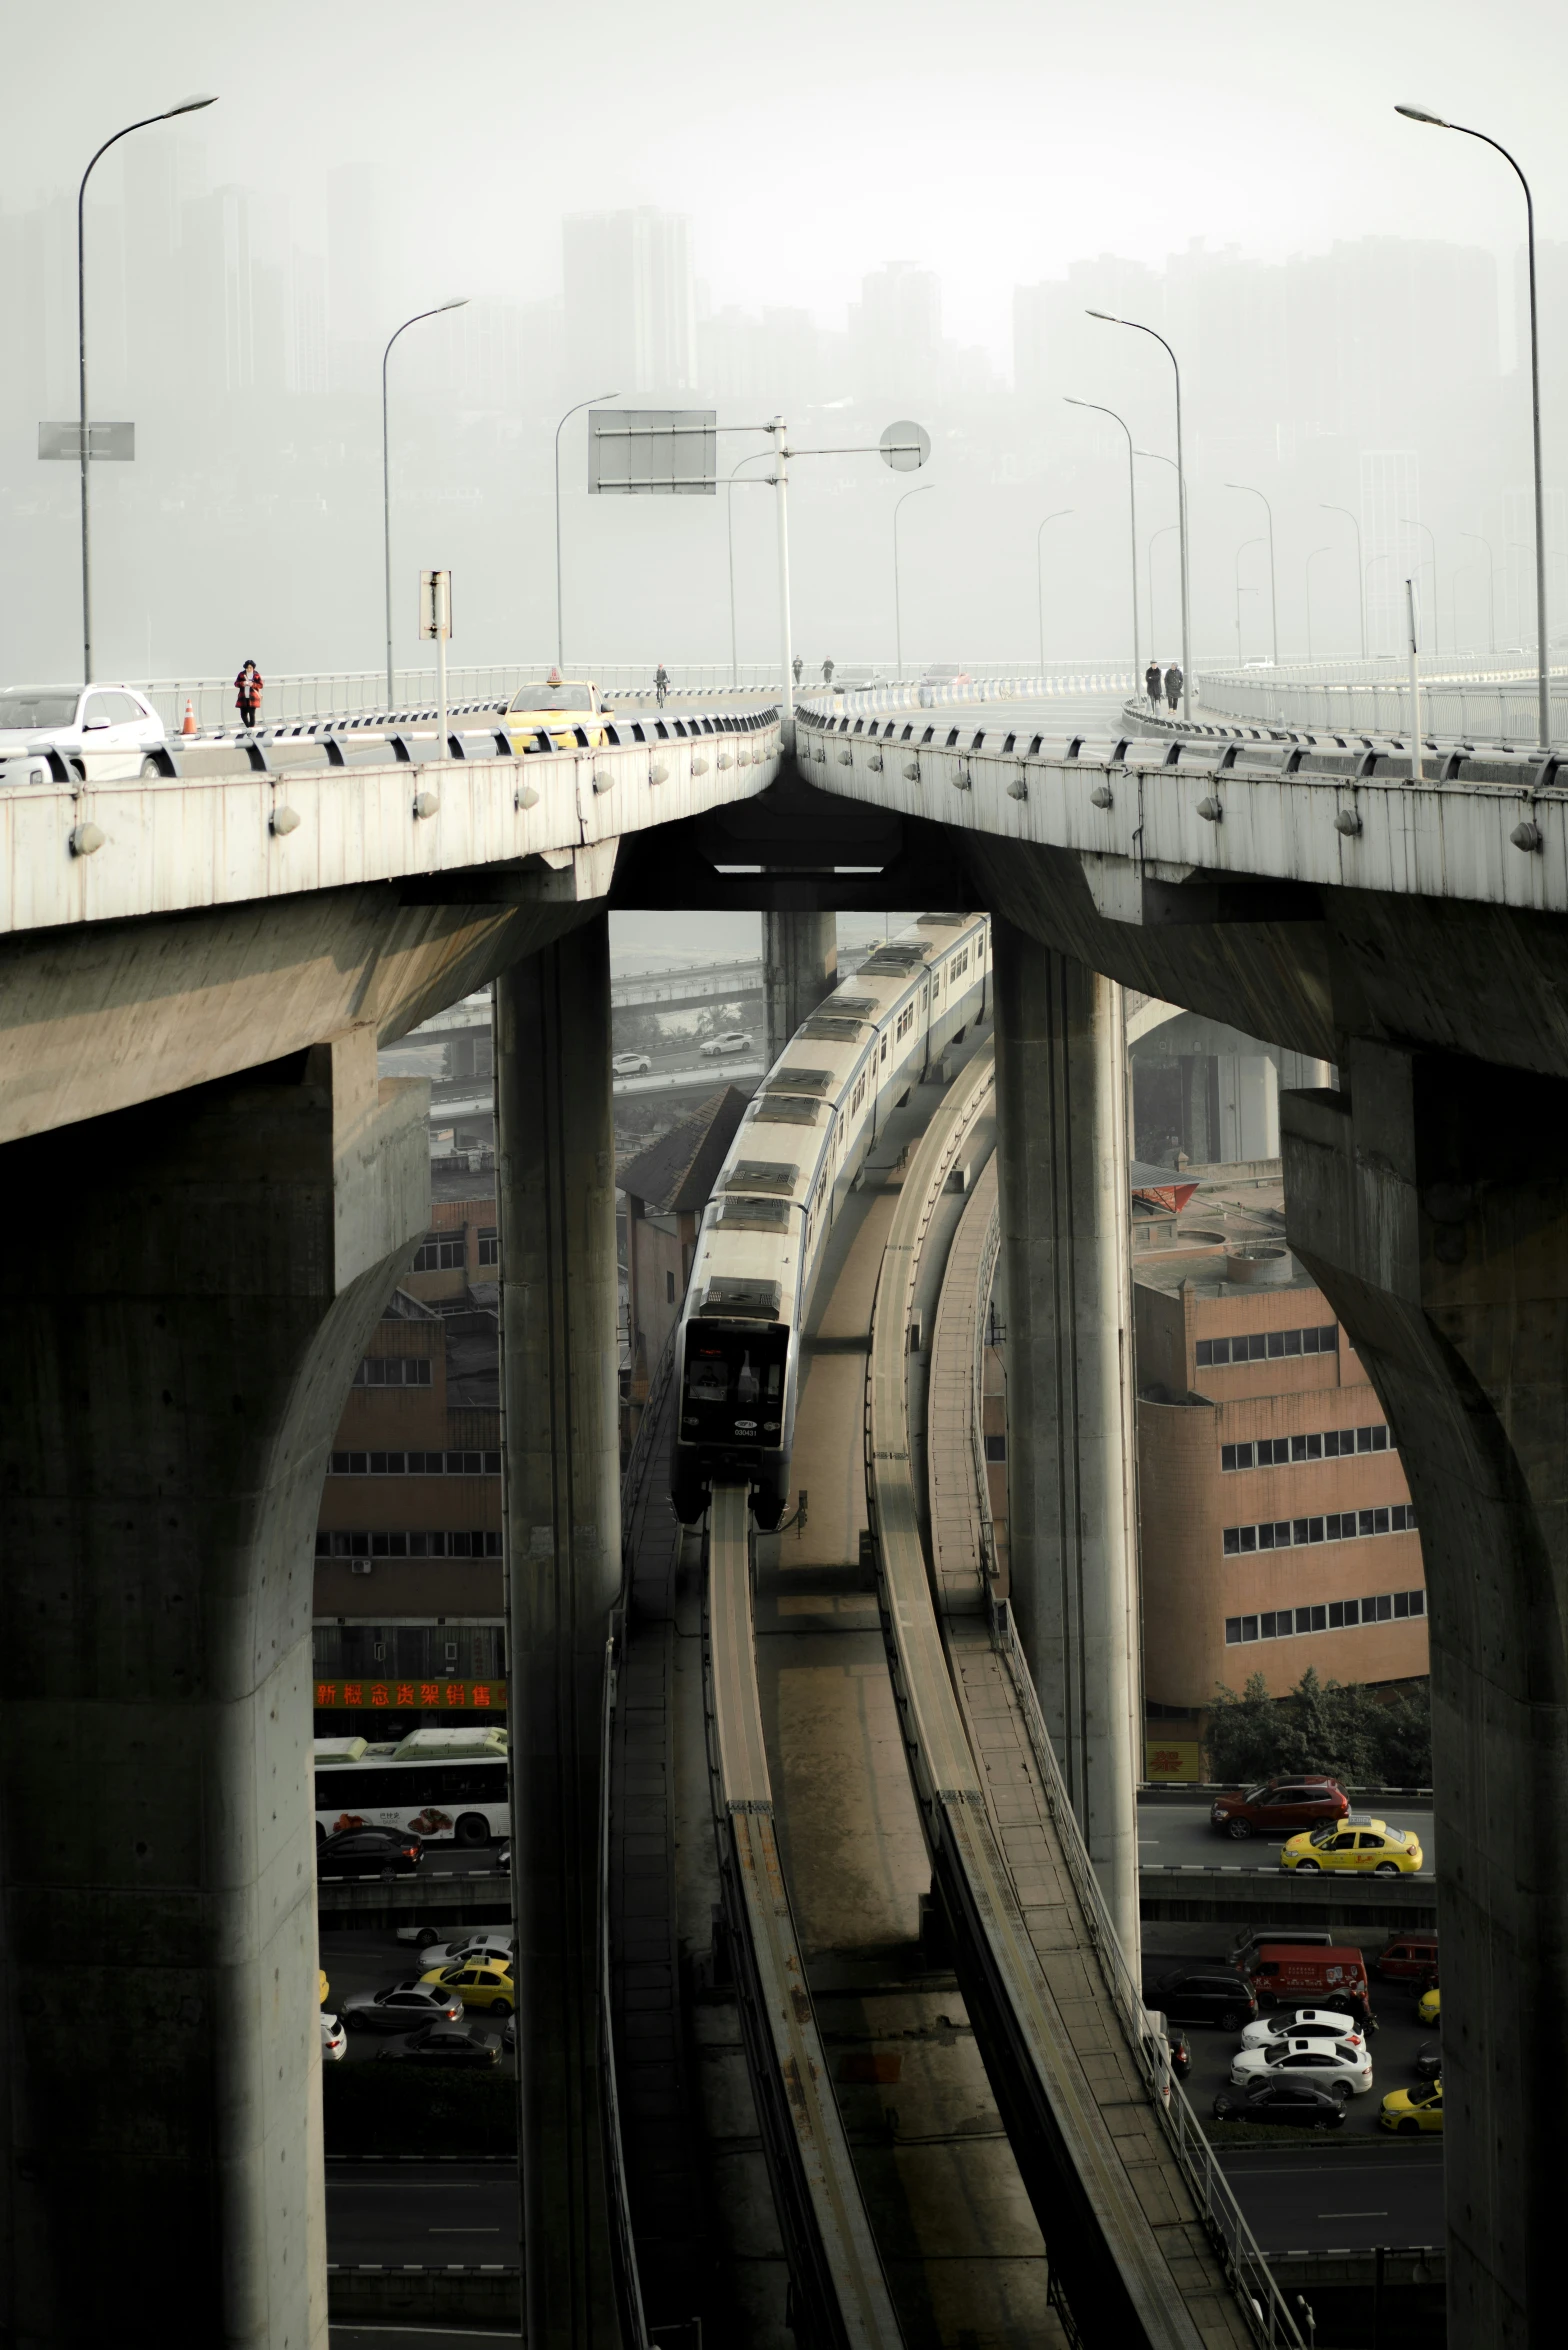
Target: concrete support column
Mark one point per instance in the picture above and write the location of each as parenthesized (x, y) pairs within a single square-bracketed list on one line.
[(556, 1198), (1072, 1523), (189, 1288), (1430, 1201), (799, 968)]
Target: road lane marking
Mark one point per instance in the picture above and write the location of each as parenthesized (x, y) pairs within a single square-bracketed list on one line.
[(1352, 2215), (496, 2231)]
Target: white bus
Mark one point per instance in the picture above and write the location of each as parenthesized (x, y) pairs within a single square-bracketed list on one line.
[(448, 1786)]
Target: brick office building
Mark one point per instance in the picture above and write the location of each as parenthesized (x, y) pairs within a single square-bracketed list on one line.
[(1276, 1524)]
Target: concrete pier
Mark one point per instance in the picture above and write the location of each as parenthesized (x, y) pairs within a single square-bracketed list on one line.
[(191, 1285), (1072, 1525), (799, 968), (1430, 1200), (556, 1201)]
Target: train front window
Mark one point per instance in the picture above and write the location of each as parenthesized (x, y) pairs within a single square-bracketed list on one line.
[(707, 1376), (734, 1384)]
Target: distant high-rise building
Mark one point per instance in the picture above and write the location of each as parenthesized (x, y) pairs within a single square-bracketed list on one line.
[(630, 298), (1390, 503)]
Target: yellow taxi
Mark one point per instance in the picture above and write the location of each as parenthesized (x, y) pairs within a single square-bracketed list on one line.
[(1371, 1846), (479, 1983), (559, 713), (1409, 2110), (322, 1986), (1429, 2007)]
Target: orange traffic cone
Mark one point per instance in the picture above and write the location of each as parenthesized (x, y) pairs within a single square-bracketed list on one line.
[(190, 720)]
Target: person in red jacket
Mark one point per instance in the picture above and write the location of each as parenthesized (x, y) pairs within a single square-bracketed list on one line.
[(247, 694)]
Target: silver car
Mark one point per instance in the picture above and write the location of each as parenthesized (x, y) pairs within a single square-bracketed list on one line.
[(401, 2008), (112, 728)]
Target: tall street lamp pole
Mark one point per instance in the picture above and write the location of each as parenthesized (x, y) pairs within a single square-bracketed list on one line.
[(1138, 327), (1163, 532), (1248, 491), (1155, 457), (898, 616), (460, 302), (560, 625), (1039, 579), (1240, 551), (1132, 516), (763, 481), (1311, 559), (1354, 521), (1543, 697), (185, 106), (1411, 524), (1491, 589)]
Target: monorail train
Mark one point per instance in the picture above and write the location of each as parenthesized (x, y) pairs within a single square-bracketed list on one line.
[(799, 1148)]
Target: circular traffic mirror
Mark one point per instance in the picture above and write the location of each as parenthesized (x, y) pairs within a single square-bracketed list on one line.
[(905, 447)]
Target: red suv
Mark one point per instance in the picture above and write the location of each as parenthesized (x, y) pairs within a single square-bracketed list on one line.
[(1280, 1807)]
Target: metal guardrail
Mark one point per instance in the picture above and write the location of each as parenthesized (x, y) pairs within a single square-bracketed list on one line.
[(1472, 711)]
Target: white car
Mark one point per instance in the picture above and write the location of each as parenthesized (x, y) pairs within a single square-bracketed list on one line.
[(113, 728), (733, 1040), (630, 1064), (497, 1943), (1343, 2066), (334, 2040), (1308, 2023)]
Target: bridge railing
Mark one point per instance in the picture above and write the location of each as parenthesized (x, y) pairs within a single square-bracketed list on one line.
[(1468, 710)]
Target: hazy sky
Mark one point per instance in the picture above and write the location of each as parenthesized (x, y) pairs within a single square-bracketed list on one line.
[(993, 142)]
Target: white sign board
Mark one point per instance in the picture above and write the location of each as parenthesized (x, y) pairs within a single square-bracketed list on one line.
[(435, 603), (115, 442), (653, 452)]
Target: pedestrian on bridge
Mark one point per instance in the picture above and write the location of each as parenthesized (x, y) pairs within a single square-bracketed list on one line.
[(1151, 684), (797, 665), (247, 694), (1173, 682), (661, 683), (827, 673)]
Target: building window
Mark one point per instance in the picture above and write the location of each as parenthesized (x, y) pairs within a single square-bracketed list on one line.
[(393, 1371), (1337, 1526), (355, 1544), (1338, 1615), (1330, 1444), (416, 1464), (489, 1245), (441, 1252), (669, 1289), (996, 1448), (1264, 1345)]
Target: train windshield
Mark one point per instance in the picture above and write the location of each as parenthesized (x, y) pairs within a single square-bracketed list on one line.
[(734, 1383)]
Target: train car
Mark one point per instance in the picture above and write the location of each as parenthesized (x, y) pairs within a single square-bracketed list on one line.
[(797, 1153)]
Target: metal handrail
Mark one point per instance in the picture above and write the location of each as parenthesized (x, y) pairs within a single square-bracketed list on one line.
[(990, 1250), (636, 1468), (1496, 712)]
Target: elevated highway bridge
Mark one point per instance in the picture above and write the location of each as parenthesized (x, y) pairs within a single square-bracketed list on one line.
[(196, 972)]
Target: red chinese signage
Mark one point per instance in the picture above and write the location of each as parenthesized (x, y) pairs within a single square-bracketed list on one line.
[(422, 1696)]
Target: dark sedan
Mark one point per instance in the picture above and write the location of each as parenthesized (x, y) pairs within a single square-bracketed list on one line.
[(1203, 1993), (1280, 1807), (1293, 2105), (368, 1852), (402, 2008), (445, 2044)]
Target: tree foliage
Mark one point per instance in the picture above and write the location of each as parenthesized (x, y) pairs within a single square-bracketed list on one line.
[(1345, 1730)]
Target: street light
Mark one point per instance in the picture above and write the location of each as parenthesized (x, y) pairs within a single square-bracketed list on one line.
[(763, 481), (898, 618), (560, 626), (1039, 579), (1240, 551), (459, 302), (1248, 491), (185, 106), (1109, 319), (1163, 531), (1491, 591), (1543, 700), (1354, 521), (1132, 515), (1311, 559), (1410, 524)]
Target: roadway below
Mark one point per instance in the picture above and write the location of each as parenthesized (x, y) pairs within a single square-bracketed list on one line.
[(432, 2214), (1351, 2199), (1178, 1835)]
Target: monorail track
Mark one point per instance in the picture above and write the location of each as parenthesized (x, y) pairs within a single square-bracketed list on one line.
[(840, 2298), (1077, 2071)]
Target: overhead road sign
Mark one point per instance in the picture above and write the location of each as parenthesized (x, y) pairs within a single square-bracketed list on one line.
[(905, 447), (113, 442), (653, 452)]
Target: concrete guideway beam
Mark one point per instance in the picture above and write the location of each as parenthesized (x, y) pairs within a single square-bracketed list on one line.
[(1072, 1521), (800, 967), (555, 1193), (171, 1380), (1429, 1200)]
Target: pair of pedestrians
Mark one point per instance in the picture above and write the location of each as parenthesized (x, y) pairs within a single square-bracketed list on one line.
[(1172, 683)]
